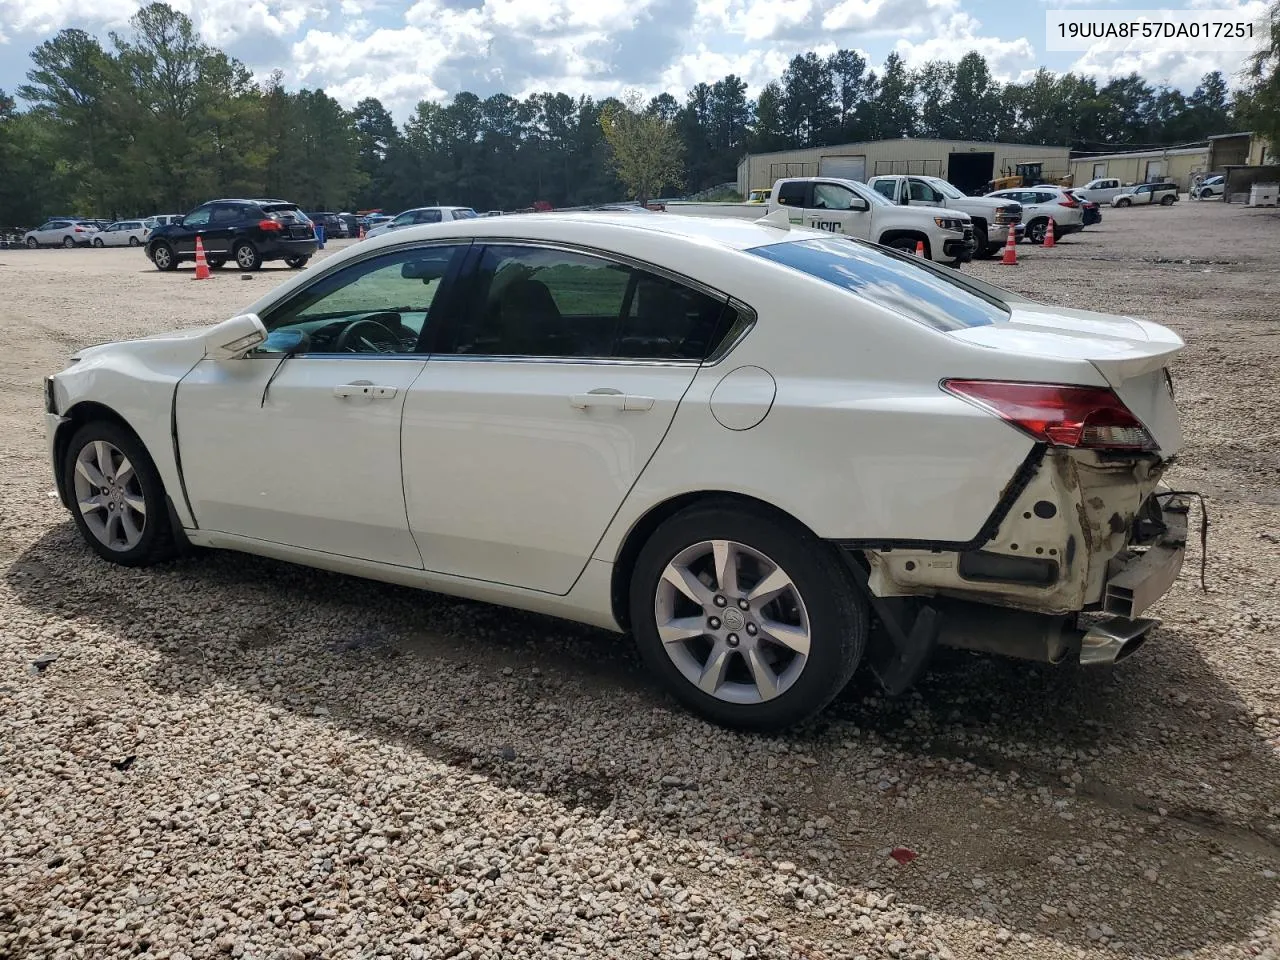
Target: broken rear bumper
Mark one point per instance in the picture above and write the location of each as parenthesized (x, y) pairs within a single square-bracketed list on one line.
[(1137, 580)]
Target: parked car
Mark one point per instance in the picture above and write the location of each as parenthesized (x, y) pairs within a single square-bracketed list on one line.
[(162, 220), (1101, 190), (492, 213), (123, 233), (753, 435), (250, 232), (61, 233), (419, 216), (1042, 203), (1145, 194), (1092, 212), (1209, 188), (350, 224), (334, 226), (991, 218)]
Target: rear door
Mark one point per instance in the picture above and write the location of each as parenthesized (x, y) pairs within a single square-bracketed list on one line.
[(541, 406)]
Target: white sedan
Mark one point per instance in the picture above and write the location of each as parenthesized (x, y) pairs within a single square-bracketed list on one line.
[(123, 233), (626, 421)]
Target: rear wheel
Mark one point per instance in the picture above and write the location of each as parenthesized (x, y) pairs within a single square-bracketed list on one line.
[(216, 263), (97, 242), (68, 242), (1037, 229), (1166, 201), (117, 498), (247, 256), (982, 247), (747, 618), (1124, 203), (296, 263), (163, 257), (133, 241)]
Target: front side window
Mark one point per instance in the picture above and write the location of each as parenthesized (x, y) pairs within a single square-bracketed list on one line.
[(537, 302), (899, 283), (405, 218), (885, 188), (379, 305), (197, 218), (924, 193), (828, 196), (427, 216)]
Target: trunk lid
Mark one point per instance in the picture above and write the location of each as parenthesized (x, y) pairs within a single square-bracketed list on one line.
[(1132, 355)]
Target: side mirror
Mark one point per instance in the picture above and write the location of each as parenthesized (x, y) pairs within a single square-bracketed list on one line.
[(232, 339), (858, 204)]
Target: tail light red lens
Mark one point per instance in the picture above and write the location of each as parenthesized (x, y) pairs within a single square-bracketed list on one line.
[(269, 225), (1068, 202), (1089, 418)]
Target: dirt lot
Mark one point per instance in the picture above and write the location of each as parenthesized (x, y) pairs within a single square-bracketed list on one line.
[(235, 756)]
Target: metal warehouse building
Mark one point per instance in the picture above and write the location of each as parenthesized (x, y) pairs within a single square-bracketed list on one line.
[(967, 164), (1146, 166)]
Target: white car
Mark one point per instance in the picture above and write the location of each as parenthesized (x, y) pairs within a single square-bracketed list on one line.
[(419, 216), (1209, 188), (1147, 194), (1101, 190), (1042, 203), (738, 440), (162, 220), (61, 233), (123, 233)]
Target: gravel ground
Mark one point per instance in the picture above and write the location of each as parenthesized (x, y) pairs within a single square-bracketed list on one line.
[(232, 756)]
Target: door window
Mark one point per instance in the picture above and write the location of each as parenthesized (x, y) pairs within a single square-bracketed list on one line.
[(923, 192), (885, 188), (792, 193), (427, 216), (379, 305), (537, 302), (225, 213), (829, 196), (197, 218)]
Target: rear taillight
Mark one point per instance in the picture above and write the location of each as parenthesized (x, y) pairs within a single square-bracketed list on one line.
[(1091, 418), (79, 229), (269, 225), (1068, 202)]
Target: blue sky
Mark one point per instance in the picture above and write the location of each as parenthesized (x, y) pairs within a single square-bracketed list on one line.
[(404, 50)]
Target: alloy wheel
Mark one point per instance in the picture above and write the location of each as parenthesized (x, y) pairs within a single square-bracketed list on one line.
[(246, 257), (109, 495), (162, 257), (732, 622)]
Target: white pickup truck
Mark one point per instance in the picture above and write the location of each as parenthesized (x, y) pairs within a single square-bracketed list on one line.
[(992, 217), (849, 207)]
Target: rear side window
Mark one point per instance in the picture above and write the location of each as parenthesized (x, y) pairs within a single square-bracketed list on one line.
[(427, 216), (464, 213), (792, 193), (537, 302), (898, 283), (227, 213)]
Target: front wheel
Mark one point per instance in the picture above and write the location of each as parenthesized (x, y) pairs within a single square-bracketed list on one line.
[(32, 243), (296, 263), (163, 257), (908, 245), (133, 241), (216, 263), (747, 618), (982, 247), (1124, 203), (97, 242), (247, 256), (117, 498)]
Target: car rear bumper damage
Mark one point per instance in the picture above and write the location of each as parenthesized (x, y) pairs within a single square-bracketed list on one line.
[(1075, 534)]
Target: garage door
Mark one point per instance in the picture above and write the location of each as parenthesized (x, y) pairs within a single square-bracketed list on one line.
[(846, 168)]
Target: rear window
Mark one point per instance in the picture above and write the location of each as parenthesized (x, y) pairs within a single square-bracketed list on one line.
[(903, 284), (464, 213)]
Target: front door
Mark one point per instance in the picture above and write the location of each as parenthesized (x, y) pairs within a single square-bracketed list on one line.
[(196, 222), (305, 451), (540, 408), (833, 210)]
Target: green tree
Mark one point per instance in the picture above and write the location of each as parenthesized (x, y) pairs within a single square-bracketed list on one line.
[(646, 149), (1259, 104)]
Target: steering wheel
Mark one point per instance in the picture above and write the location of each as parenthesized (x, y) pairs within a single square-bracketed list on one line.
[(370, 332)]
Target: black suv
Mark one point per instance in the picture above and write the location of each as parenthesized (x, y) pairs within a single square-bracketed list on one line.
[(247, 231), (334, 226)]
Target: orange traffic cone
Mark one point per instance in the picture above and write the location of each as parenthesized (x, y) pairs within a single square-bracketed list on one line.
[(919, 248), (1010, 258), (202, 266), (1049, 240)]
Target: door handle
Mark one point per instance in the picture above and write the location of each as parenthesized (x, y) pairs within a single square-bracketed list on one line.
[(363, 388), (610, 400)]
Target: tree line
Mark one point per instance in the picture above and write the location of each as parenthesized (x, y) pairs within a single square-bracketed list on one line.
[(156, 121)]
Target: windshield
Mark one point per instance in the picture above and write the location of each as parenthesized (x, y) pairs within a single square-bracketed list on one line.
[(871, 196), (944, 188), (902, 284)]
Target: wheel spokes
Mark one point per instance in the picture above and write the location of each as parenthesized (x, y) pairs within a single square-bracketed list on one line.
[(770, 587), (682, 578), (679, 629), (129, 527), (726, 564), (765, 679), (90, 472), (102, 453), (795, 639), (90, 504), (124, 473), (715, 668)]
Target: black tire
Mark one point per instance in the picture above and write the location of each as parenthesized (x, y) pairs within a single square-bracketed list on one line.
[(246, 256), (836, 612), (32, 243), (1167, 201), (908, 245), (216, 263), (163, 257), (1037, 229), (68, 242), (133, 242), (1124, 203), (981, 244), (156, 542), (296, 263), (97, 242)]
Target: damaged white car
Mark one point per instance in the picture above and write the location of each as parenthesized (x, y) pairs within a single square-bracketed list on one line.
[(740, 441)]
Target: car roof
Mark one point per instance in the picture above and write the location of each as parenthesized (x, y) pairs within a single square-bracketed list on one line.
[(587, 226)]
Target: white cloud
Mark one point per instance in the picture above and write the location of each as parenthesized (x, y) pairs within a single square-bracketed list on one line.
[(960, 34)]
